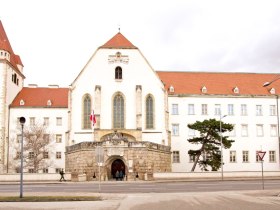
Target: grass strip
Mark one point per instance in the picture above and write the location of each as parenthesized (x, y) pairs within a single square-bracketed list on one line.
[(48, 198)]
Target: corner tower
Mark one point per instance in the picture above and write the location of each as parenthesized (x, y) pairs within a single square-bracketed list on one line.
[(11, 82)]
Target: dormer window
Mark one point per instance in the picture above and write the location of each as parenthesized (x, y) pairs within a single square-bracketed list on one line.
[(236, 90), (171, 89), (49, 103), (272, 91), (118, 73), (21, 102), (204, 89)]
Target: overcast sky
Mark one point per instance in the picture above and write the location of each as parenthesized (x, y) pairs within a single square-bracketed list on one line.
[(56, 38)]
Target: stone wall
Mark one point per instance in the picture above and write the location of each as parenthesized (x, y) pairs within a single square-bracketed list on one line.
[(140, 158)]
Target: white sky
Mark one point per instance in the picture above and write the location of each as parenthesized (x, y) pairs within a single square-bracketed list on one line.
[(56, 38)]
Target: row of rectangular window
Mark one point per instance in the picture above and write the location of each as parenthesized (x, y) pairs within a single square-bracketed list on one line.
[(31, 155), (217, 109), (46, 121), (244, 130), (58, 138), (44, 170), (232, 157)]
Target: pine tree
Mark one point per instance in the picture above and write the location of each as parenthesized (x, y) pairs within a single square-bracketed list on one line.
[(210, 141)]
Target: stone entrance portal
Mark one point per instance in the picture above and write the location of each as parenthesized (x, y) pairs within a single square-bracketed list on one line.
[(117, 165), (132, 157)]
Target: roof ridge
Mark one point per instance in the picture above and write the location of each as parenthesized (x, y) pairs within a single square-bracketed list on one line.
[(119, 41)]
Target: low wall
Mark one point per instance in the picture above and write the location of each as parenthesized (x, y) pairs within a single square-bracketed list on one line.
[(33, 177), (215, 175)]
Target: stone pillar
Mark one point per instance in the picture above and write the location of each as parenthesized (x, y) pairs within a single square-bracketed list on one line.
[(138, 107), (97, 110)]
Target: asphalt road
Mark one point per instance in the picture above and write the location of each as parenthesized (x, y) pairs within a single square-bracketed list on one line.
[(141, 187), (203, 195)]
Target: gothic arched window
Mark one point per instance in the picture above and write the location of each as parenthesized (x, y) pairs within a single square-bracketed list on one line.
[(86, 124), (118, 121), (149, 112), (118, 73)]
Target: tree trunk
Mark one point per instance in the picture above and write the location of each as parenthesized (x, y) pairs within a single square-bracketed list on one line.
[(195, 162)]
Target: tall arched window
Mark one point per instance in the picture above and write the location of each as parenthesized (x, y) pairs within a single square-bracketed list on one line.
[(118, 73), (86, 124), (149, 112), (118, 111)]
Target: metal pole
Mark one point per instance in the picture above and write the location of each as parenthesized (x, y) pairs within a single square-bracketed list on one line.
[(221, 139), (262, 175), (21, 162)]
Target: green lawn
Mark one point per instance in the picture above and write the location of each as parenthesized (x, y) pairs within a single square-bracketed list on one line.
[(48, 198)]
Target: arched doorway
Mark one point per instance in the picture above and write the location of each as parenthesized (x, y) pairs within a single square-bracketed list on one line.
[(117, 165)]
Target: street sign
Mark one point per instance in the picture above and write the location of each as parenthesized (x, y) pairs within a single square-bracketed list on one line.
[(261, 154), (99, 155)]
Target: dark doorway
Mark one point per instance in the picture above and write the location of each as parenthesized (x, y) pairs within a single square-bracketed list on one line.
[(117, 165)]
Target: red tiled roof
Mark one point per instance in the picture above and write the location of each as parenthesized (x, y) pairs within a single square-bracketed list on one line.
[(219, 83), (5, 45), (38, 97), (119, 42)]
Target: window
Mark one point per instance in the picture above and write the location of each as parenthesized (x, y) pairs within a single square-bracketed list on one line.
[(217, 109), (58, 138), (204, 109), (149, 112), (273, 130), (31, 170), (232, 133), (259, 110), (244, 130), (46, 121), (86, 112), (46, 155), (191, 132), (244, 109), (59, 121), (192, 158), (176, 157), (31, 155), (18, 138), (191, 109), (45, 170), (58, 155), (57, 170), (32, 121), (205, 156), (118, 73), (245, 156), (232, 156), (46, 137), (230, 109), (272, 110), (272, 156), (259, 130), (118, 111), (258, 159), (175, 129), (175, 110)]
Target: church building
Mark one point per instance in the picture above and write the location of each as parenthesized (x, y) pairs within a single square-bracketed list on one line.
[(120, 115)]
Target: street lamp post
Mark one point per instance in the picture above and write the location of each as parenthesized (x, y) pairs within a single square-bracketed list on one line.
[(221, 141), (22, 121)]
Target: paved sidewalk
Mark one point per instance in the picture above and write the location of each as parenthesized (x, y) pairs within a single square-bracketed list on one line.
[(247, 200)]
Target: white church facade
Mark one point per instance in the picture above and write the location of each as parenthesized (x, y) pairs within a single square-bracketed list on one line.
[(141, 114)]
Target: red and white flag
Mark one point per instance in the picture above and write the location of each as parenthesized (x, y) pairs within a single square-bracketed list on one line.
[(92, 118)]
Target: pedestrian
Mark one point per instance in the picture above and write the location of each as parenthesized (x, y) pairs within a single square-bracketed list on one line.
[(117, 175), (62, 175), (121, 175)]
